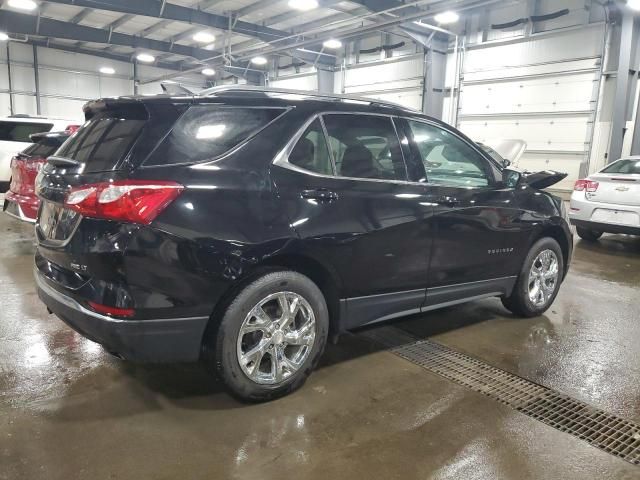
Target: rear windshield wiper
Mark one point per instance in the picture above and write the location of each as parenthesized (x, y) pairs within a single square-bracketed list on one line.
[(63, 162)]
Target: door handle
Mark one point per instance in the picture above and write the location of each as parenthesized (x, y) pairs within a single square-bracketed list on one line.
[(320, 194), (448, 201)]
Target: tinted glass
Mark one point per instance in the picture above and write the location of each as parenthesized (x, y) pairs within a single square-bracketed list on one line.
[(365, 146), (20, 131), (40, 150), (102, 142), (447, 159), (624, 166), (311, 152), (207, 131)]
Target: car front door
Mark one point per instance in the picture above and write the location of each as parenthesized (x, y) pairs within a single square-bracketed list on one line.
[(344, 185), (475, 223)]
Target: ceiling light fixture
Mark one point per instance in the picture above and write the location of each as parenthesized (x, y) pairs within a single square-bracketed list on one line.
[(107, 70), (332, 43), (146, 58), (303, 5), (447, 17), (633, 4), (3, 37), (209, 72), (259, 61), (204, 37), (23, 4)]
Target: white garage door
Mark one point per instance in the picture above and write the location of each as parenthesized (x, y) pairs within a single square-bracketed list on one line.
[(542, 90), (398, 80)]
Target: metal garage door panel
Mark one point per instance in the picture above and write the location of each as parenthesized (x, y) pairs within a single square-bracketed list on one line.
[(555, 93), (298, 82), (514, 72)]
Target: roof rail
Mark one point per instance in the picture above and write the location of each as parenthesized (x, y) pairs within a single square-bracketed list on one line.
[(289, 91)]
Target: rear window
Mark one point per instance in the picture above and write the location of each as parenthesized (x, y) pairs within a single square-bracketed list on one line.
[(624, 166), (20, 131), (207, 131), (102, 142), (40, 150)]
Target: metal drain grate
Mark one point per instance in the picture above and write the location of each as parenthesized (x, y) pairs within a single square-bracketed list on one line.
[(607, 432)]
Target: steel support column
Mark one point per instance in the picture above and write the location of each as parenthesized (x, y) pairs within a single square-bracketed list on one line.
[(621, 99), (325, 81), (11, 110), (36, 76)]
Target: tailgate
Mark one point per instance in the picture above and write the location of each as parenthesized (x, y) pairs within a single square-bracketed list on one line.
[(618, 189)]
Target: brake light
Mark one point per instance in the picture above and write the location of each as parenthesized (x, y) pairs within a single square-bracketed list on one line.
[(588, 185), (71, 129), (135, 201), (112, 311)]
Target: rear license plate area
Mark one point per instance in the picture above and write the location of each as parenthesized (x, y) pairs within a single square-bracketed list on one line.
[(56, 223), (619, 217)]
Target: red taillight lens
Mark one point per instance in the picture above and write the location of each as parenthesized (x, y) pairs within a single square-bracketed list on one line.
[(135, 201), (113, 311), (588, 185)]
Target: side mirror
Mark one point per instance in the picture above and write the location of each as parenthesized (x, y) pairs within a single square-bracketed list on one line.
[(511, 178), (506, 163)]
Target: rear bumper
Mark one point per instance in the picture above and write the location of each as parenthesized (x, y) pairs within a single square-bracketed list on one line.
[(152, 340), (21, 206), (606, 227)]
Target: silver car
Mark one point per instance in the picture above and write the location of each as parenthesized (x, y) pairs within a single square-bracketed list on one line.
[(608, 201)]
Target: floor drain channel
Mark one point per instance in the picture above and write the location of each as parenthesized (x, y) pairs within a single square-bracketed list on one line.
[(607, 432)]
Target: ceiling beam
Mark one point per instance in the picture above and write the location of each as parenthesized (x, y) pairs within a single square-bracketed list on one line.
[(81, 15), (20, 23), (170, 11)]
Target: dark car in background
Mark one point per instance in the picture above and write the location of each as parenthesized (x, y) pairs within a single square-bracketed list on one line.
[(244, 227), (20, 200)]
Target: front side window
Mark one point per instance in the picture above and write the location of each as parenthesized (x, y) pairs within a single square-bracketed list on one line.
[(447, 159), (207, 131), (311, 152), (365, 146)]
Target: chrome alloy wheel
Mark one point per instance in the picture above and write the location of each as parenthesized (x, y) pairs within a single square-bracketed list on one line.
[(543, 277), (276, 338)]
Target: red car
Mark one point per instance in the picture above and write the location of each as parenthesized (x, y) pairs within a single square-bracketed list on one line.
[(21, 200)]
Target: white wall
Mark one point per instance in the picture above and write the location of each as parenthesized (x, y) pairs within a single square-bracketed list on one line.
[(67, 80)]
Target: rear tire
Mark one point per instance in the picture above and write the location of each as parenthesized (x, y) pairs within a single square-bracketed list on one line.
[(588, 235), (262, 353), (537, 287)]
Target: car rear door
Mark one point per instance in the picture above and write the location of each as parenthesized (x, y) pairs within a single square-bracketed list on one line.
[(477, 234), (344, 184)]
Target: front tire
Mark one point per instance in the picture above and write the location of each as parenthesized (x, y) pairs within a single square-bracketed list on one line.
[(539, 280), (588, 235), (271, 336)]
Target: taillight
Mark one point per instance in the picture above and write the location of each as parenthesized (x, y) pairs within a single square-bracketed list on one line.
[(588, 185), (135, 201)]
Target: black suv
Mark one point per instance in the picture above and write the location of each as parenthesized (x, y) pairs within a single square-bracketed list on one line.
[(244, 227)]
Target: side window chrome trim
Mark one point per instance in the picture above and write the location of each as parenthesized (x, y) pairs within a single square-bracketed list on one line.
[(282, 158)]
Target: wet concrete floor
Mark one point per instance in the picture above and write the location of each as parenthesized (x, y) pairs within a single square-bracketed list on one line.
[(68, 410)]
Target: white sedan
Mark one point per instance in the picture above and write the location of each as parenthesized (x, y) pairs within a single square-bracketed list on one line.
[(608, 201)]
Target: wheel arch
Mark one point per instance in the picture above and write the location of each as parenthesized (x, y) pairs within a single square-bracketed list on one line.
[(555, 231)]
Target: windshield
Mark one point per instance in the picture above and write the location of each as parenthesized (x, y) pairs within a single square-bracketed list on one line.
[(628, 165), (20, 131)]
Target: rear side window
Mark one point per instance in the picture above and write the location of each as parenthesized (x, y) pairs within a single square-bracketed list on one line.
[(311, 152), (102, 142), (205, 132), (630, 166), (20, 131)]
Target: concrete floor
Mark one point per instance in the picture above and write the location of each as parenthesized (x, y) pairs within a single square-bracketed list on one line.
[(70, 411)]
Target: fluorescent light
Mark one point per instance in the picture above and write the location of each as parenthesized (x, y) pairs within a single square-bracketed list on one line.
[(3, 37), (332, 43), (303, 5), (107, 70), (259, 61), (146, 58), (447, 17), (209, 72), (633, 4), (204, 37), (23, 4)]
